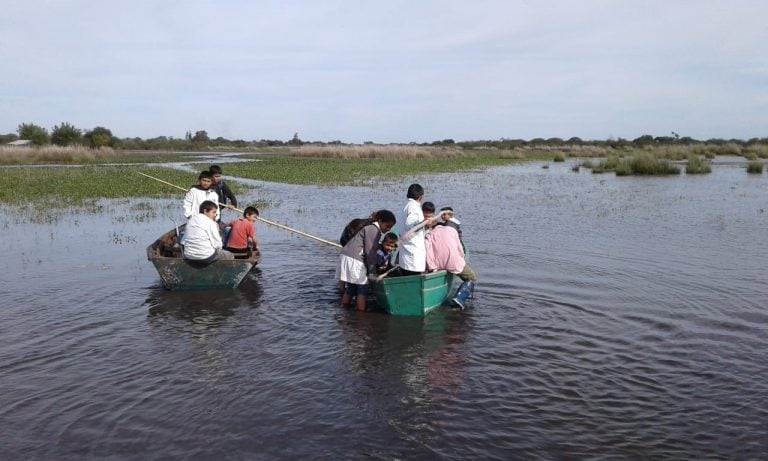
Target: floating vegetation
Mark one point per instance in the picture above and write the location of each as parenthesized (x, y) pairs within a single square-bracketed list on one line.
[(755, 167), (351, 170), (696, 165)]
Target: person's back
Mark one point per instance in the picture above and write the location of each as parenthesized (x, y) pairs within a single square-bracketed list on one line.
[(202, 241), (352, 228), (444, 250)]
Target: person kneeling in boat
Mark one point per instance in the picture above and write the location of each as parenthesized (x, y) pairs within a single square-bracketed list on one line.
[(445, 251), (242, 234), (202, 240), (358, 259)]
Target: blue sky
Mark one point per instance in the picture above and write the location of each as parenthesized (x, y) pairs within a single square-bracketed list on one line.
[(394, 71)]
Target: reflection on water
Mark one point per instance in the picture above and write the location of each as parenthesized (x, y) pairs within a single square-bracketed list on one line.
[(614, 317)]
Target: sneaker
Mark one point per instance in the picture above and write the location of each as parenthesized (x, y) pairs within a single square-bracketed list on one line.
[(458, 303)]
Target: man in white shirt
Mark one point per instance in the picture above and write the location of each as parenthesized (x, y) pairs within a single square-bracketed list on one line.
[(202, 241)]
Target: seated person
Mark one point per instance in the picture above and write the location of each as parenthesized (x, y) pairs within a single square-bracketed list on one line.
[(445, 251), (242, 234), (202, 241), (385, 253)]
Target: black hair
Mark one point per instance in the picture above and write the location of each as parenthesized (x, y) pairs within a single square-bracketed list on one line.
[(215, 169), (415, 191), (250, 210), (208, 205), (205, 174), (389, 237), (385, 216), (428, 206)]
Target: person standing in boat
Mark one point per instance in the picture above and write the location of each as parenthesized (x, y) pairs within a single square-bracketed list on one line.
[(199, 194), (445, 251), (412, 255), (222, 190), (358, 259), (202, 240)]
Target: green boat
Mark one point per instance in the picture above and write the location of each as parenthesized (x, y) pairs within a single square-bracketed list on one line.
[(178, 273), (414, 294)]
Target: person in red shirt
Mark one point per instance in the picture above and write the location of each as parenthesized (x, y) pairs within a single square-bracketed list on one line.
[(242, 235)]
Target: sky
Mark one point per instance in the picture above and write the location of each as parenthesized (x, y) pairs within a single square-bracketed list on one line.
[(388, 71)]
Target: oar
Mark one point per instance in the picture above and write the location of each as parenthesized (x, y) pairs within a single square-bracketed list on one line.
[(296, 231), (380, 277), (415, 229)]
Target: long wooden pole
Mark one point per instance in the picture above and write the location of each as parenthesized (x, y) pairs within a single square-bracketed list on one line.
[(266, 221)]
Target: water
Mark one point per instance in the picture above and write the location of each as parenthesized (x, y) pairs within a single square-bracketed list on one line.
[(613, 318)]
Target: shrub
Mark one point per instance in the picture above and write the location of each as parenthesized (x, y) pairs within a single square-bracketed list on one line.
[(559, 157)]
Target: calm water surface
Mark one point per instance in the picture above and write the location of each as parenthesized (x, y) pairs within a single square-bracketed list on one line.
[(618, 318)]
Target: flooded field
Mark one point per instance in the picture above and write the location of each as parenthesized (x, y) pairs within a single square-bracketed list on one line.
[(618, 318)]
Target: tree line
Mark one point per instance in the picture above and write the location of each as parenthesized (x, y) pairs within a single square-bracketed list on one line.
[(67, 134)]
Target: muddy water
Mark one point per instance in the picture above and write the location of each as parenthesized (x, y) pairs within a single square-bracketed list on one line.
[(614, 318)]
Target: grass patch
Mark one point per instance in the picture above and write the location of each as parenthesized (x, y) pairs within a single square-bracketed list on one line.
[(559, 157), (60, 187), (755, 167), (696, 165)]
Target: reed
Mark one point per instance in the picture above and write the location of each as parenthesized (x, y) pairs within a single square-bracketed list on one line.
[(559, 157), (696, 165), (755, 167), (377, 151)]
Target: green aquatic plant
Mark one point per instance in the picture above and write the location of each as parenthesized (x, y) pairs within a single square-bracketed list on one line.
[(559, 157), (60, 187)]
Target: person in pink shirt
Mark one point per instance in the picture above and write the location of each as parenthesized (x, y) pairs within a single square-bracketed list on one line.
[(446, 252)]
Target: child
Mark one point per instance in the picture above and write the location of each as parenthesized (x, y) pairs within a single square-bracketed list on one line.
[(428, 209), (385, 253), (358, 259), (199, 194), (222, 189), (242, 234), (202, 241)]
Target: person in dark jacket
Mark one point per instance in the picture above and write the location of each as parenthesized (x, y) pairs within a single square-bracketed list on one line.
[(222, 189)]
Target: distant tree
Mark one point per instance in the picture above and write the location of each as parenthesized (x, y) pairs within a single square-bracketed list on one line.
[(66, 135), (295, 141), (201, 138), (99, 137), (644, 140), (575, 141), (37, 134)]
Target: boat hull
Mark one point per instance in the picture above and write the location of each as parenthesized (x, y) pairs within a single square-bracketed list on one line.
[(414, 294), (178, 273)]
